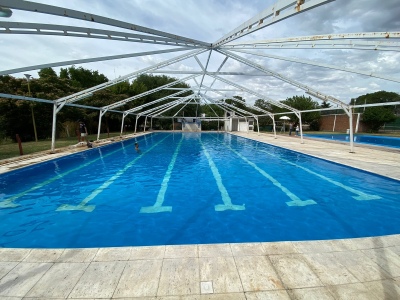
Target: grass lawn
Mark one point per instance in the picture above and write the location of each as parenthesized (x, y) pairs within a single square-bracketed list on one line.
[(10, 148)]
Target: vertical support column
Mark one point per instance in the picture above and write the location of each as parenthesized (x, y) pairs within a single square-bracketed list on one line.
[(102, 112), (301, 129), (258, 126), (274, 125), (53, 129), (173, 125), (358, 122), (334, 124), (136, 123), (145, 123), (56, 108), (151, 123), (351, 129), (122, 125)]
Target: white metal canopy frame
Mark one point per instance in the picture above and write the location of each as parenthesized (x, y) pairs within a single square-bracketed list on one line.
[(225, 46)]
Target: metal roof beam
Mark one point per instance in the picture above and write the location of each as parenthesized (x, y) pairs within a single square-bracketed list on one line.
[(279, 11), (123, 102), (75, 14), (327, 66), (154, 102), (359, 45), (323, 37), (84, 32), (88, 60), (276, 103), (75, 97), (208, 73), (304, 87)]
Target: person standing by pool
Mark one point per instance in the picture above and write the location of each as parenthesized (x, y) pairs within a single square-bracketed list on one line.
[(290, 128), (297, 130), (82, 130)]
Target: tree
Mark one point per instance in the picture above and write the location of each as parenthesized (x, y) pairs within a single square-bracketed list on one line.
[(305, 103), (376, 117)]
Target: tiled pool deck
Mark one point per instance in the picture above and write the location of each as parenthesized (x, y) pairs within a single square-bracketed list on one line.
[(366, 268)]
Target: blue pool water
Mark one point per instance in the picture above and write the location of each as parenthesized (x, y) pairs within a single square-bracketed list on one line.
[(384, 141), (191, 188)]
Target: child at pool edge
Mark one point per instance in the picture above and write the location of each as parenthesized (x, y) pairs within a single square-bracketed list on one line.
[(297, 130)]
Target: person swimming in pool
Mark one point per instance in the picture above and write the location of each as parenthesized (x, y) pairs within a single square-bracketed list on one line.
[(137, 148)]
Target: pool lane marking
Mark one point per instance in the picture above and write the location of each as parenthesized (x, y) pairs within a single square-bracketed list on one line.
[(158, 205), (9, 203), (224, 193), (296, 201), (89, 208), (360, 195)]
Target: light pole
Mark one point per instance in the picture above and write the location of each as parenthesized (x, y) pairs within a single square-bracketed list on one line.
[(28, 77)]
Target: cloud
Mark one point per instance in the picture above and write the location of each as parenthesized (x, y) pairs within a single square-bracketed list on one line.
[(207, 21)]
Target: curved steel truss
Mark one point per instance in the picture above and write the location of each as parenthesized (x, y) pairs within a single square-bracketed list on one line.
[(226, 46)]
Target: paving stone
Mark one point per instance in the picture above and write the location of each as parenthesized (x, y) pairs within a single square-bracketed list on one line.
[(113, 254), (58, 281), (181, 251), (99, 280), (214, 250), (153, 252), (363, 268), (179, 277), (6, 267), (78, 255), (384, 289), (139, 279), (222, 272), (386, 259), (318, 293), (268, 295), (257, 274), (22, 278), (329, 270), (352, 291), (294, 271), (247, 249), (44, 255), (279, 248), (9, 254)]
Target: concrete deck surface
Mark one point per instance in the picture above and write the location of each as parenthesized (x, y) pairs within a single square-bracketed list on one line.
[(365, 268)]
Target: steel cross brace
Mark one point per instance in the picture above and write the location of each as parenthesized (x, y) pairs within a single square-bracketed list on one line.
[(74, 97), (122, 102), (276, 103), (328, 66), (308, 89), (279, 11)]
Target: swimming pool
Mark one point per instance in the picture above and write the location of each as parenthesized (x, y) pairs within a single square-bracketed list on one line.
[(191, 188), (384, 141)]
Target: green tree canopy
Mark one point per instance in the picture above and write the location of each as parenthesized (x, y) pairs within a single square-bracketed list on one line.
[(305, 103), (376, 117)]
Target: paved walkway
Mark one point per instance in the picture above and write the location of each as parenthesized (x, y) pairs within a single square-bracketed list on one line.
[(366, 268)]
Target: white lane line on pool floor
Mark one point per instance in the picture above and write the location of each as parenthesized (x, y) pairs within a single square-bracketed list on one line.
[(158, 205), (224, 193), (89, 208), (296, 201), (10, 201), (360, 195)]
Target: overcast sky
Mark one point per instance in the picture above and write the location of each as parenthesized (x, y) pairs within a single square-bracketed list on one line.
[(208, 20)]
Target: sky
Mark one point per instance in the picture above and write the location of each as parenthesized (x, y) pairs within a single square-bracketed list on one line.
[(208, 20)]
